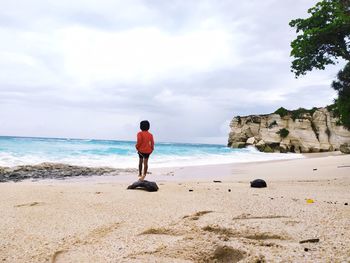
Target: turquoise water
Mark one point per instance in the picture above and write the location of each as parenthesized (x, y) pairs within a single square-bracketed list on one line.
[(121, 154)]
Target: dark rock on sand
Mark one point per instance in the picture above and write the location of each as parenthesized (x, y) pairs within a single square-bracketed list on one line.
[(53, 171), (258, 183), (145, 185), (345, 148)]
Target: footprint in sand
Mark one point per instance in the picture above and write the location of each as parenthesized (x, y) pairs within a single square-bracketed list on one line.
[(264, 236), (205, 252), (197, 215), (229, 233), (56, 255), (91, 238), (161, 231), (173, 232), (225, 254), (248, 216)]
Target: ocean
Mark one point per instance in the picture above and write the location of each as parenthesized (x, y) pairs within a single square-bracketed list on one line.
[(122, 154)]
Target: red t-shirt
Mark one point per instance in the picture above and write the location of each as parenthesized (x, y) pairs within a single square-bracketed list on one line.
[(145, 143)]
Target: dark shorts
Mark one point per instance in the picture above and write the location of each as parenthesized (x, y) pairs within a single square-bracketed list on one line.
[(144, 155)]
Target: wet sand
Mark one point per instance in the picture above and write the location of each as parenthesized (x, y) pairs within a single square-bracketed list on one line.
[(190, 219)]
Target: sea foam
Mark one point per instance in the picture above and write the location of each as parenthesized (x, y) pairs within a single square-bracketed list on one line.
[(122, 154)]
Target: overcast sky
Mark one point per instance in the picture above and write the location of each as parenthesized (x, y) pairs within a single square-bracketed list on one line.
[(96, 68)]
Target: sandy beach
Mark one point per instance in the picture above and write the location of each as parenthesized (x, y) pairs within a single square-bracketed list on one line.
[(190, 219)]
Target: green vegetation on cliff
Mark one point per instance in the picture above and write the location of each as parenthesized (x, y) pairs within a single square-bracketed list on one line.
[(283, 132), (295, 114), (282, 112)]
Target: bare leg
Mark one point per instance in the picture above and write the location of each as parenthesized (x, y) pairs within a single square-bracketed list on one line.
[(140, 167), (145, 164)]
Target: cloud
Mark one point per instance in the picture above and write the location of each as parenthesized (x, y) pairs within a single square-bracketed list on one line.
[(94, 69), (143, 55)]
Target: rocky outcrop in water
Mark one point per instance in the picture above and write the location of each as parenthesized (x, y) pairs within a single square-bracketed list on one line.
[(54, 171), (316, 130)]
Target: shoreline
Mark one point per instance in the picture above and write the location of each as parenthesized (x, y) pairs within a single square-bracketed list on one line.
[(62, 171)]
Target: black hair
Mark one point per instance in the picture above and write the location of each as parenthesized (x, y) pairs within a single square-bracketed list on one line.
[(144, 125)]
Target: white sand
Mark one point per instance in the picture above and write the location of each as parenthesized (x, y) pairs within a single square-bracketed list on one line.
[(98, 220)]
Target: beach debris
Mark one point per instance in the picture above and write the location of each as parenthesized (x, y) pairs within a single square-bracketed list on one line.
[(306, 249), (346, 204), (310, 201), (229, 190), (217, 181), (145, 185), (344, 166), (258, 183), (98, 193), (30, 204), (311, 240), (315, 169), (190, 190)]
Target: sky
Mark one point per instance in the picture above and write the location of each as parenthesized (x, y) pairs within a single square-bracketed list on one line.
[(96, 68)]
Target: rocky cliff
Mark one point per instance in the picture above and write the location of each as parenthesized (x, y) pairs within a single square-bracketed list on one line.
[(316, 130)]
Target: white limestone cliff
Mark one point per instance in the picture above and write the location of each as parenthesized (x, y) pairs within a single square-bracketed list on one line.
[(318, 132)]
